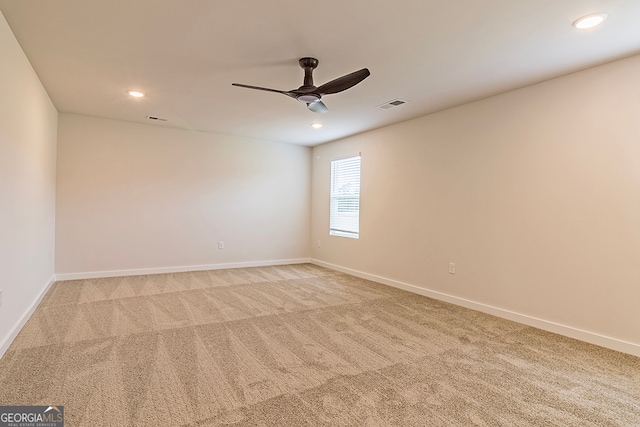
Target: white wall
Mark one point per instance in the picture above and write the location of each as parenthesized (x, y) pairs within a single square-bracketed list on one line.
[(27, 186), (144, 197), (534, 194)]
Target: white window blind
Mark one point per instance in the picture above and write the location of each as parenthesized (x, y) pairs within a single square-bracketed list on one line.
[(344, 217)]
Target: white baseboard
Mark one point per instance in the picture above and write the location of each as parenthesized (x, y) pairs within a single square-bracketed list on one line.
[(13, 333), (568, 331), (181, 269)]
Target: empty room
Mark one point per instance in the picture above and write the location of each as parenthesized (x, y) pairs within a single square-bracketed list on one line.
[(438, 224)]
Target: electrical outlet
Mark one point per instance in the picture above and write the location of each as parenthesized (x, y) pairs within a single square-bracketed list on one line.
[(452, 268), (220, 245), (318, 242)]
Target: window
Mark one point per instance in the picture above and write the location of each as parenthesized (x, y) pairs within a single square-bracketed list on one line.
[(344, 217)]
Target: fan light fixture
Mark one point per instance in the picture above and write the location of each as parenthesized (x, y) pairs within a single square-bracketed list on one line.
[(135, 94), (589, 21), (308, 98)]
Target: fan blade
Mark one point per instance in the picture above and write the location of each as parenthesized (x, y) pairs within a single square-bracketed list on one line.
[(260, 88), (343, 83), (317, 107)]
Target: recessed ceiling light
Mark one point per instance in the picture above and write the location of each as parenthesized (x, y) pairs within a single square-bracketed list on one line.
[(316, 125), (589, 21), (135, 94)]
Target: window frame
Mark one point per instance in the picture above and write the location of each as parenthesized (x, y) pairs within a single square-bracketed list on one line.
[(344, 196)]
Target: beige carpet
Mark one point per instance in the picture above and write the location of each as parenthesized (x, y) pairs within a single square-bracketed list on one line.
[(301, 346)]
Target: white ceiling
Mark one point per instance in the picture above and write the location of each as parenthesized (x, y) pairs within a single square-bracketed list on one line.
[(184, 54)]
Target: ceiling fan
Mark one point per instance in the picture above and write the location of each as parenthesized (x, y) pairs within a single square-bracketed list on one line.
[(310, 94)]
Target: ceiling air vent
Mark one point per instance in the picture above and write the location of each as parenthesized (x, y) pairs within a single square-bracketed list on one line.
[(156, 119), (391, 104)]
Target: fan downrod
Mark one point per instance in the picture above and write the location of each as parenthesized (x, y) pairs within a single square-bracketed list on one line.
[(308, 64)]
